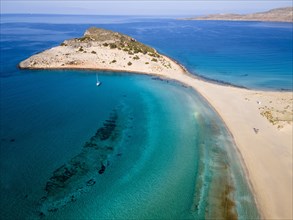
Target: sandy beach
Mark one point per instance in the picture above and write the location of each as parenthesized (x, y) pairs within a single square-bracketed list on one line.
[(266, 148), (259, 121)]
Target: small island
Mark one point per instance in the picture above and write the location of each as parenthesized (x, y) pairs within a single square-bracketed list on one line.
[(101, 49), (274, 15)]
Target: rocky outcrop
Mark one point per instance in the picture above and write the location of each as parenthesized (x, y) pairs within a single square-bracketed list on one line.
[(102, 49)]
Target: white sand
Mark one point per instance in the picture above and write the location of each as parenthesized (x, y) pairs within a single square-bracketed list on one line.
[(267, 154)]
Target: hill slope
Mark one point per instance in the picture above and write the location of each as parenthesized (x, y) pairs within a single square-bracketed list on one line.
[(276, 15), (101, 49)]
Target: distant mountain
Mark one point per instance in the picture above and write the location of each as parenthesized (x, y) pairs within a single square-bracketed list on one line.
[(276, 15)]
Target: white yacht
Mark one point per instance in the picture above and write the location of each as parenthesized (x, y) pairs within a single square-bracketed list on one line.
[(98, 82)]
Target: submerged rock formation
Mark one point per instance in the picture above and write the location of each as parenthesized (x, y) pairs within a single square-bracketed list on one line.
[(102, 49), (82, 171)]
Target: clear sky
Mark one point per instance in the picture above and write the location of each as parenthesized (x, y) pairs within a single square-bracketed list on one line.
[(139, 7)]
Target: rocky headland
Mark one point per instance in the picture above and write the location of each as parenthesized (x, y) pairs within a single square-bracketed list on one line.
[(102, 49)]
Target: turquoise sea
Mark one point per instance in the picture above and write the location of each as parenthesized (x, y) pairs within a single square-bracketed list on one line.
[(136, 147)]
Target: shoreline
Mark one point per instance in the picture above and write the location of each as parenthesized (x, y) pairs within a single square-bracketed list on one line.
[(260, 122), (262, 212), (270, 204), (262, 203), (194, 76), (234, 134)]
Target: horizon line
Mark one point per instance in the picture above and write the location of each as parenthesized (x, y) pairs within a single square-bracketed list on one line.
[(137, 15)]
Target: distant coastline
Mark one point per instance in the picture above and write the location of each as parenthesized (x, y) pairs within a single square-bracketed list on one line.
[(274, 15)]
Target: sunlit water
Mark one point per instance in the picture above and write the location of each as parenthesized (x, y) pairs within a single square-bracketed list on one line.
[(170, 155), (169, 143)]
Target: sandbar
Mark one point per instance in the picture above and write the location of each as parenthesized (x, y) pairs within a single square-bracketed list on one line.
[(259, 121)]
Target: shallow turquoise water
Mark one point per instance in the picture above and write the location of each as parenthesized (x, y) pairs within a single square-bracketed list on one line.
[(169, 155), (169, 138)]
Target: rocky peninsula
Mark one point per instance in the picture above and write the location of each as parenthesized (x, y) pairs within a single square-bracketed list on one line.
[(274, 15), (259, 121), (101, 49)]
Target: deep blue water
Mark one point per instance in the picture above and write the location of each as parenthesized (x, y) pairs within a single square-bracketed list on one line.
[(170, 155), (250, 54)]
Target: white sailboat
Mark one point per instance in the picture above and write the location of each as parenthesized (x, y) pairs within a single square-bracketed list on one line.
[(98, 82)]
